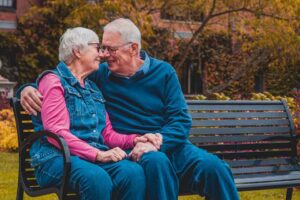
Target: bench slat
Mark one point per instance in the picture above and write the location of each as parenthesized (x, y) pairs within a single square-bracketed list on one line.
[(27, 126), (236, 107), (241, 138), (260, 162), (261, 175), (233, 102), (265, 169), (293, 175), (22, 114), (208, 115), (268, 185), (254, 154), (239, 130), (253, 146), (274, 122)]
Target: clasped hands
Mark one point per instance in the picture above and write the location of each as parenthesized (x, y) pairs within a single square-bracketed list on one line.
[(143, 144)]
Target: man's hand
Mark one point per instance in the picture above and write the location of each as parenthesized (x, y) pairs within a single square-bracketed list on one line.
[(112, 155), (31, 100), (156, 139), (141, 148)]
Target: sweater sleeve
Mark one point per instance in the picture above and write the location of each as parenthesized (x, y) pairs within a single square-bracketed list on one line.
[(20, 89), (178, 121), (55, 118), (115, 139)]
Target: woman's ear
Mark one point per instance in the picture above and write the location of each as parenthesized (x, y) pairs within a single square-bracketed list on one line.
[(76, 53)]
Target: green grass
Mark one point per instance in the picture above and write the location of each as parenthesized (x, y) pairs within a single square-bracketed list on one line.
[(8, 184)]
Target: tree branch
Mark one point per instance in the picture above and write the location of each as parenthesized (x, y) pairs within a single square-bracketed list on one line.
[(254, 60), (195, 35), (211, 16)]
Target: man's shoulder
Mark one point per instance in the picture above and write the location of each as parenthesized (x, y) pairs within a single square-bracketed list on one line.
[(161, 65), (156, 64)]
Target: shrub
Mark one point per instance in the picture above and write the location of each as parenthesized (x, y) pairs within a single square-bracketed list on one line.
[(8, 131)]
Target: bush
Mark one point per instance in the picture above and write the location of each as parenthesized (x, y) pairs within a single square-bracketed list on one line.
[(8, 131)]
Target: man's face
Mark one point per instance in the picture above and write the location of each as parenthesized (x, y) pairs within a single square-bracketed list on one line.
[(117, 53)]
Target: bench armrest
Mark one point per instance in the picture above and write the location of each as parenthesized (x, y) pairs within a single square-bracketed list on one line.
[(63, 146)]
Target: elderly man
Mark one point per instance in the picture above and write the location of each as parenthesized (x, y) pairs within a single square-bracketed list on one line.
[(143, 95)]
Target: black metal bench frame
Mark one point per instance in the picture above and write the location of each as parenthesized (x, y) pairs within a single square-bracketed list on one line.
[(256, 138), (26, 137)]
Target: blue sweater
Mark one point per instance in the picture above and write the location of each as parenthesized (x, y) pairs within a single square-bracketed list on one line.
[(150, 101)]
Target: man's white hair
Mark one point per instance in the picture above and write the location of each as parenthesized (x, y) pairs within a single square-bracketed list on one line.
[(127, 29), (75, 38)]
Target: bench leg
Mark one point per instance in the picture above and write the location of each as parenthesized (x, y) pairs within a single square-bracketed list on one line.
[(20, 190), (289, 193)]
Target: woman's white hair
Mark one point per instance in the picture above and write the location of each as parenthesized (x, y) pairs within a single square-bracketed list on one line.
[(127, 29), (75, 38)]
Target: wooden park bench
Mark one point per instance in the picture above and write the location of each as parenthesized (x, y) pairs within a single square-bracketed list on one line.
[(26, 179), (256, 138)]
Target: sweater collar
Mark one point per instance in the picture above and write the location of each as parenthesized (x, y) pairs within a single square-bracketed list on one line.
[(142, 70)]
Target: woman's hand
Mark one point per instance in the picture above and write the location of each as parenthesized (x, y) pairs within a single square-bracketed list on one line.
[(155, 138), (112, 155)]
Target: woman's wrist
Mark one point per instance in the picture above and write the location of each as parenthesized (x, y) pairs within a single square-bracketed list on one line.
[(99, 156)]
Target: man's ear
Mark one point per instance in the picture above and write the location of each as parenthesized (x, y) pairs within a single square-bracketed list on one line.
[(134, 49)]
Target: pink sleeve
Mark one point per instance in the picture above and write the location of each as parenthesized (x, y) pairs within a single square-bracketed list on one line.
[(115, 139), (55, 117)]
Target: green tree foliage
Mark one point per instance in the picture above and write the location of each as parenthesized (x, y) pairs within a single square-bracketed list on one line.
[(8, 46), (264, 37), (35, 43), (234, 40), (38, 33)]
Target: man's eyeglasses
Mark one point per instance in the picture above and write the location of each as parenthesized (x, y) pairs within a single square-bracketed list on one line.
[(112, 49), (97, 45)]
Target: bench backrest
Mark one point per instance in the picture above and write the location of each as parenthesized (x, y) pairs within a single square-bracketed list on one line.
[(24, 122), (27, 179), (245, 133), (24, 130)]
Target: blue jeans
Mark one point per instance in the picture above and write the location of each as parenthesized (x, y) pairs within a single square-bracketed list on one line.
[(196, 169), (203, 172), (161, 180), (94, 181)]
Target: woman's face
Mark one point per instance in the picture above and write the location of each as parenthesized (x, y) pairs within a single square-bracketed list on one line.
[(90, 57)]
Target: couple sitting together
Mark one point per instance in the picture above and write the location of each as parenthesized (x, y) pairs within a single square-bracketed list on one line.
[(125, 122)]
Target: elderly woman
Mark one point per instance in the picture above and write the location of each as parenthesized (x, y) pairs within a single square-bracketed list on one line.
[(73, 107)]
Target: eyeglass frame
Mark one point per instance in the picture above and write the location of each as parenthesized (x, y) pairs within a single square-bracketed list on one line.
[(112, 49), (98, 47)]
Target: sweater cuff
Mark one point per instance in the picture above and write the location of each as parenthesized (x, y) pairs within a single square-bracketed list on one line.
[(92, 155)]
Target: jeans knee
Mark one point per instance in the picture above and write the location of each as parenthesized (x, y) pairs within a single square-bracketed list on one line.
[(95, 180), (134, 174), (212, 165), (155, 159)]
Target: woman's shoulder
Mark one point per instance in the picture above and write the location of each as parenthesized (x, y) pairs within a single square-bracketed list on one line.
[(48, 81), (48, 75)]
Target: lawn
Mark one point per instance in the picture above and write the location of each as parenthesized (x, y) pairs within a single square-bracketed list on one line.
[(8, 185)]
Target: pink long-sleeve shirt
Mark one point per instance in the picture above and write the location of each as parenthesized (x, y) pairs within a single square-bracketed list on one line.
[(55, 118)]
